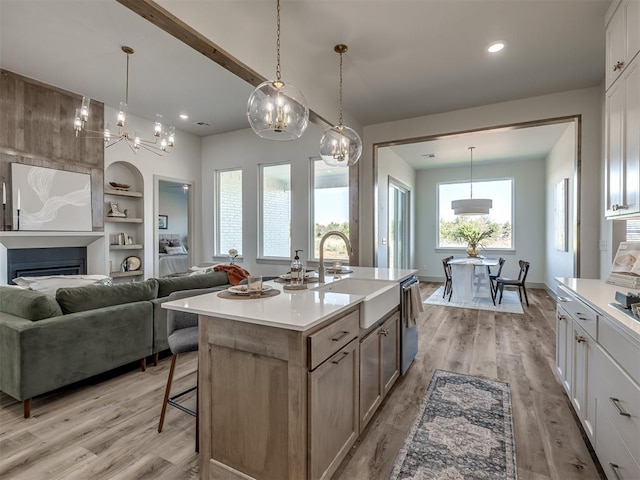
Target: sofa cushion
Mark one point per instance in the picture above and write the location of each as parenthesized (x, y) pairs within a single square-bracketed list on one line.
[(28, 304), (81, 299), (174, 284)]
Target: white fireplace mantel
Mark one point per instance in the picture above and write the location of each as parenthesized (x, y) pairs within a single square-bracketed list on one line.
[(94, 241)]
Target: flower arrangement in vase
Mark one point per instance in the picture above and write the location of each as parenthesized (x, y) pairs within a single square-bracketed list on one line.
[(233, 254), (473, 234)]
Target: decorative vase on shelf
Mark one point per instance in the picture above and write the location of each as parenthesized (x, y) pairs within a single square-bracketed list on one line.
[(473, 250)]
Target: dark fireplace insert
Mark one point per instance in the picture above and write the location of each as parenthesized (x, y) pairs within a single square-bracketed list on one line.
[(39, 262)]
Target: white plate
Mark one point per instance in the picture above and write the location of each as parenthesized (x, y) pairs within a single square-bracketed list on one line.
[(244, 290)]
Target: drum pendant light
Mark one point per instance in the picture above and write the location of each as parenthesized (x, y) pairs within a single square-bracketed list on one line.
[(340, 145), (278, 110), (472, 206)]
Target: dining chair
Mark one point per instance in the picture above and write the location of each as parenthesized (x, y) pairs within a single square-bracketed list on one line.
[(501, 282), (493, 277), (448, 285)]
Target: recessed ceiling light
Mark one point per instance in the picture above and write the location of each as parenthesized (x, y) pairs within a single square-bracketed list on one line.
[(495, 47), (429, 155), (184, 116)]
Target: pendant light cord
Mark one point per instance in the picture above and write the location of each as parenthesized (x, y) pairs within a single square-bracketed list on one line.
[(126, 91), (471, 149), (278, 41), (340, 89)]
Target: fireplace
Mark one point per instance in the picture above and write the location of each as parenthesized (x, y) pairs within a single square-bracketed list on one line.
[(37, 262)]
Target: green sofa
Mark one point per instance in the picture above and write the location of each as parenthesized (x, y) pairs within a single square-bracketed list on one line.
[(47, 343)]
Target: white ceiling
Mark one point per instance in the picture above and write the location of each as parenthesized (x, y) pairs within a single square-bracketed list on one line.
[(406, 58)]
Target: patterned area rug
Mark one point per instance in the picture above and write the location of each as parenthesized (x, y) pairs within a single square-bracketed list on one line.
[(510, 302), (464, 430)]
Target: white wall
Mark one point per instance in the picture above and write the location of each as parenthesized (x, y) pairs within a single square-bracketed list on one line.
[(528, 225), (584, 102), (173, 201), (245, 149), (559, 165), (183, 162), (390, 164)]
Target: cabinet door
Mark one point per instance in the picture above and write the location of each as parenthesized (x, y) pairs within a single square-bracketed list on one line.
[(390, 353), (582, 395), (614, 150), (370, 385), (632, 14), (615, 39), (631, 79), (564, 344), (333, 411)]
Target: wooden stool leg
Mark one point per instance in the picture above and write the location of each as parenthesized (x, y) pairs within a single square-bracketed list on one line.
[(26, 407), (156, 356), (198, 408), (167, 391), (143, 364)]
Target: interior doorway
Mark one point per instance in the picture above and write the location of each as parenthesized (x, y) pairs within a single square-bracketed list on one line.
[(399, 224)]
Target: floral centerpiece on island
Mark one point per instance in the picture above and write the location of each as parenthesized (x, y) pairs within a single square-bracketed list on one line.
[(473, 234), (233, 254)]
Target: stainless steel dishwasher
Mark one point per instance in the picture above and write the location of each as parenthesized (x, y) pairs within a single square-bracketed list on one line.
[(408, 335)]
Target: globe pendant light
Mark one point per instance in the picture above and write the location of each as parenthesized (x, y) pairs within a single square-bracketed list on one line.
[(277, 110), (340, 145), (472, 206)]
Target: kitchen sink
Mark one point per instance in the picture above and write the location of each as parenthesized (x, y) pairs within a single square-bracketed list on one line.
[(380, 296)]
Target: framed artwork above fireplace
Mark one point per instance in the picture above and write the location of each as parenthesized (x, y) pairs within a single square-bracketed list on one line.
[(47, 199)]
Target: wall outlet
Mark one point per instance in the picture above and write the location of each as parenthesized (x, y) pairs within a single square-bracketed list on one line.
[(384, 241)]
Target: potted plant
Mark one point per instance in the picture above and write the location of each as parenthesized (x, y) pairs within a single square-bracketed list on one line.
[(473, 234)]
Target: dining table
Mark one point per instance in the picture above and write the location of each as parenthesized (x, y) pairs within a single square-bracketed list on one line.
[(470, 277)]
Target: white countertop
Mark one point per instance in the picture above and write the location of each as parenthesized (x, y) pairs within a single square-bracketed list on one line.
[(598, 294), (293, 310)]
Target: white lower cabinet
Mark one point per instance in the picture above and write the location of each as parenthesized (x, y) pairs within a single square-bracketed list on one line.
[(598, 366)]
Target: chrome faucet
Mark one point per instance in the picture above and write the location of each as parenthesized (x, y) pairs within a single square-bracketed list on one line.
[(322, 240)]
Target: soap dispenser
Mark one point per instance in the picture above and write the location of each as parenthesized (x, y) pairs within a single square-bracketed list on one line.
[(297, 270)]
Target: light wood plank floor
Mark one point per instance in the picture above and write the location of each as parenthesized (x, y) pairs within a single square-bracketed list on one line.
[(106, 428)]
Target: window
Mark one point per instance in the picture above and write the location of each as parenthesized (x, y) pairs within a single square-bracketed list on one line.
[(330, 208), (228, 212), (500, 217), (275, 210)]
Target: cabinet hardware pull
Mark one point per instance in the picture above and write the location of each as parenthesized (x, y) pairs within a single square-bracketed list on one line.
[(340, 337), (344, 355), (615, 468), (561, 317), (616, 403), (563, 299), (618, 66), (581, 317), (580, 338)]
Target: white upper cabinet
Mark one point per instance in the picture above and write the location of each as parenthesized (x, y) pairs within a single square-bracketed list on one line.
[(623, 39)]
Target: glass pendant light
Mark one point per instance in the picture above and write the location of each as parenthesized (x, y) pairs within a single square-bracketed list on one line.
[(277, 110), (472, 206), (340, 145)]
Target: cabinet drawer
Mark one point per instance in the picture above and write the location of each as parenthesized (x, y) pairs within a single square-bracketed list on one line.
[(619, 398), (332, 338), (580, 312), (621, 348), (616, 461)]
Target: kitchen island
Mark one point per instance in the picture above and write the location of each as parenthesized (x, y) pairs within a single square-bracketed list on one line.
[(287, 383)]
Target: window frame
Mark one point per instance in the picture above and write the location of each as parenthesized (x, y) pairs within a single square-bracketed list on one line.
[(216, 212), (260, 239), (511, 248)]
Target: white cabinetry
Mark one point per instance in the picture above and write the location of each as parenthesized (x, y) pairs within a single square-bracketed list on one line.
[(622, 112), (602, 380)]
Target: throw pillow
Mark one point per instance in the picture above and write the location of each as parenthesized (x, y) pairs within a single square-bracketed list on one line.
[(175, 250), (162, 245), (28, 304), (51, 283)]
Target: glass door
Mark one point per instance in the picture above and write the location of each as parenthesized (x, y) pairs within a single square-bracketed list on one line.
[(398, 209)]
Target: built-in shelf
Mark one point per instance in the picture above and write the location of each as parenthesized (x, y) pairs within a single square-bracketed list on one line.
[(122, 193), (122, 220), (133, 273), (126, 247)]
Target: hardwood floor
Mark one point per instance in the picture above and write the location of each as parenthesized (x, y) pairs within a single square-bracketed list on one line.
[(107, 428)]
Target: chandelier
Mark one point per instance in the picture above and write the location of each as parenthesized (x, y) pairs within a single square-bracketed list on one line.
[(472, 206), (277, 110), (162, 140), (340, 145)]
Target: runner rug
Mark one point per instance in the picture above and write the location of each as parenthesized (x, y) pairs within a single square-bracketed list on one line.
[(464, 430), (510, 302)]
